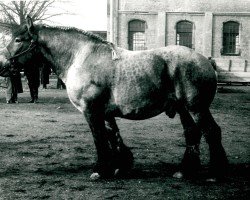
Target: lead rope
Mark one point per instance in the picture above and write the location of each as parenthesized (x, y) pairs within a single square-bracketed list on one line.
[(115, 56)]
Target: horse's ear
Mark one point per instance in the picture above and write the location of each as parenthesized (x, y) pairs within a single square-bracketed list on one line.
[(29, 24)]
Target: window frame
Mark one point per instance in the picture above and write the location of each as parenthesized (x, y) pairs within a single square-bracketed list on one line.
[(237, 45), (190, 32), (137, 31)]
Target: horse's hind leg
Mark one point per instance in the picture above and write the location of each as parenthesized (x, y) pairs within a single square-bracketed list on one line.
[(212, 133), (191, 160), (122, 156)]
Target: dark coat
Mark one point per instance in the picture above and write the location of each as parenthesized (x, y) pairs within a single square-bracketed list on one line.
[(17, 82), (45, 72), (32, 71)]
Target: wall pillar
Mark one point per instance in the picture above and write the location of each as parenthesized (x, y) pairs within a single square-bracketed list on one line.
[(208, 34), (113, 21), (161, 29)]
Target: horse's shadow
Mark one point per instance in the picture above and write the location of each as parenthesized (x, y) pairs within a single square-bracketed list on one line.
[(235, 173), (161, 171)]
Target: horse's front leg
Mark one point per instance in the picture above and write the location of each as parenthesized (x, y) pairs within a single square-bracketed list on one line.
[(95, 117), (122, 156)]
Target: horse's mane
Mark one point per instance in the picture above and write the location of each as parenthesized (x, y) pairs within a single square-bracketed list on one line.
[(88, 34), (95, 38)]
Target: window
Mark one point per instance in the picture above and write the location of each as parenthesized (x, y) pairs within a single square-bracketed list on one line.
[(136, 38), (184, 32), (231, 45)]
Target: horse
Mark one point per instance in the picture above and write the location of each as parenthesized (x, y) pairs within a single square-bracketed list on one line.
[(104, 81)]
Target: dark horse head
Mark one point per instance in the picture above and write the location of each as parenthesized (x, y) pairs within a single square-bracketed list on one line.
[(22, 47)]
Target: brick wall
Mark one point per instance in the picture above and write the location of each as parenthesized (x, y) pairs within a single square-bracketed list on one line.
[(186, 5), (150, 31), (207, 16)]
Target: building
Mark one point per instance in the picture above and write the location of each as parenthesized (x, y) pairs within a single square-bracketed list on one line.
[(216, 28), (102, 34)]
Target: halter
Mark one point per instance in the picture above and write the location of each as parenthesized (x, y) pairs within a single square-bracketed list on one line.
[(30, 48)]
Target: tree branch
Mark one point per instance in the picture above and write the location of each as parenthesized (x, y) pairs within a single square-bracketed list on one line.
[(10, 17), (37, 13), (16, 11), (17, 7), (5, 7), (48, 17), (32, 9)]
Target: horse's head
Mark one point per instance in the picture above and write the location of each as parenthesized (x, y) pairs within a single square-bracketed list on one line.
[(23, 45)]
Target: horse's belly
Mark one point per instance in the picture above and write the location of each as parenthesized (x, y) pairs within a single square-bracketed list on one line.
[(128, 112), (142, 105)]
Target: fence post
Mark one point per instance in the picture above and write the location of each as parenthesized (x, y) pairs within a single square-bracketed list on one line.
[(230, 65), (245, 69)]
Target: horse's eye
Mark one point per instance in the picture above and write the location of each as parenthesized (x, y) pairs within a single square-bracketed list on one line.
[(18, 40)]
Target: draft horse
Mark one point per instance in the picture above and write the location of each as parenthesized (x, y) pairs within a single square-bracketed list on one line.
[(135, 85)]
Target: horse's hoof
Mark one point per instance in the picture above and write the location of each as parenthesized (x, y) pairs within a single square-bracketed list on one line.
[(95, 176), (178, 175)]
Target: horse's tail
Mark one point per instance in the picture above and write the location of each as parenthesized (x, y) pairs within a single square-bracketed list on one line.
[(195, 83)]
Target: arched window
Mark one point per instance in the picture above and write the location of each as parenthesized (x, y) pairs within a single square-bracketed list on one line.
[(231, 41), (184, 33), (136, 35)]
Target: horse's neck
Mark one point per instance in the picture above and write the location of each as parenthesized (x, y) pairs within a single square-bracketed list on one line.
[(61, 50)]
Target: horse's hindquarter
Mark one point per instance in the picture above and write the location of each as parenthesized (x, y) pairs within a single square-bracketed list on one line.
[(194, 78), (140, 88)]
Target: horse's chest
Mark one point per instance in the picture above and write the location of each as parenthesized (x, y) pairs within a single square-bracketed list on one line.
[(80, 88)]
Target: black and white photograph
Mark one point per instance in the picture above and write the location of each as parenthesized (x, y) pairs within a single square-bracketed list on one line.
[(125, 99)]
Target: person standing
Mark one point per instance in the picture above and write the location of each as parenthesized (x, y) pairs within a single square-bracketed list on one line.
[(32, 72), (8, 90), (45, 72), (14, 86), (60, 84), (213, 63)]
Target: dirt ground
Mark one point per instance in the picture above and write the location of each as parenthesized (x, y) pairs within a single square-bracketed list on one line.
[(47, 152)]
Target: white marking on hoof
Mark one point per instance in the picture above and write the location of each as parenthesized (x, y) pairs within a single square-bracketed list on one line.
[(178, 175), (211, 180), (116, 172), (95, 176)]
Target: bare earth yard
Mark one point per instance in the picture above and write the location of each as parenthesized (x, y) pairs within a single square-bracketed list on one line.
[(47, 152)]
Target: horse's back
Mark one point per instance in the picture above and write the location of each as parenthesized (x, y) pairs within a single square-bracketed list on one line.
[(191, 74)]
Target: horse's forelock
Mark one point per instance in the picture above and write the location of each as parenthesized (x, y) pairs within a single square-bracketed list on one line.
[(20, 30)]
